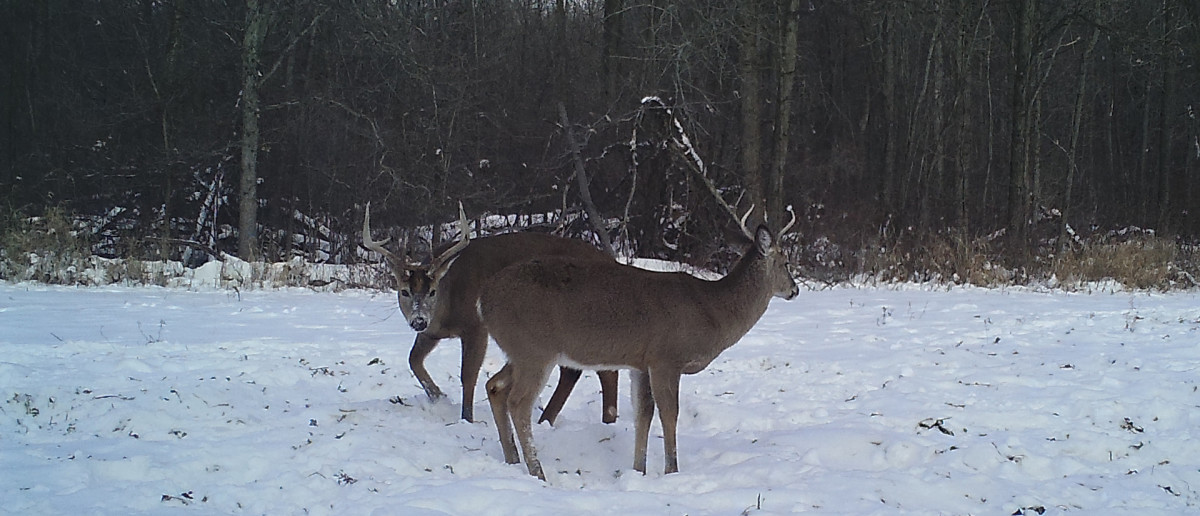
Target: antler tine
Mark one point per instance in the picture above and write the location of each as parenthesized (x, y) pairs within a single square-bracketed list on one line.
[(742, 223), (376, 245), (791, 223), (464, 238)]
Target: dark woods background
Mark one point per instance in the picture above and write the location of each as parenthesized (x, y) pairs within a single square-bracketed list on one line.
[(261, 128)]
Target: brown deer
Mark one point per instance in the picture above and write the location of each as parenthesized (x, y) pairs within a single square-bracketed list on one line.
[(439, 301), (604, 315)]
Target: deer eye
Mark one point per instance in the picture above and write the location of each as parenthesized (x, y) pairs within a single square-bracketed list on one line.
[(432, 292), (404, 293)]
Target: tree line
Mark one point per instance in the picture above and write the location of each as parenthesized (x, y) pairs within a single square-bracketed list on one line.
[(261, 127)]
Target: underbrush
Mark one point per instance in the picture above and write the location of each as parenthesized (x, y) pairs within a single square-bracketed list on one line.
[(48, 249), (55, 249), (1134, 259)]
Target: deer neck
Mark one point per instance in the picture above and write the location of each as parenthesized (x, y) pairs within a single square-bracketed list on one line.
[(744, 294)]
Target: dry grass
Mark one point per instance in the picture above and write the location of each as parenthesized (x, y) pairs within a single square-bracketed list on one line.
[(1145, 262), (946, 258), (1142, 261)]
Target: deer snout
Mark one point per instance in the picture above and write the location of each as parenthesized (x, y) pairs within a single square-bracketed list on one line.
[(418, 323)]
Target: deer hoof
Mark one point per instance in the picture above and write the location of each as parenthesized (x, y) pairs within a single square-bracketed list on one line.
[(434, 393), (535, 469)]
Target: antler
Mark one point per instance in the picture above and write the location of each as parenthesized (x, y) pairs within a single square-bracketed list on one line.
[(375, 245), (441, 263), (789, 224), (746, 231), (742, 222)]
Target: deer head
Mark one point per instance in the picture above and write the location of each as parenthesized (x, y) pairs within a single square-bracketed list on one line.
[(773, 258), (417, 283)]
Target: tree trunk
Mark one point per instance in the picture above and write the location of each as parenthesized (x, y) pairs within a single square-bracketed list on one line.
[(891, 114), (751, 102), (561, 87), (965, 141), (256, 29), (610, 66), (1143, 183), (1166, 200), (787, 82), (1020, 209), (1073, 147), (931, 191)]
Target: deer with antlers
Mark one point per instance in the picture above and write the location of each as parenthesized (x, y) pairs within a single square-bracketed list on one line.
[(603, 315), (439, 299)]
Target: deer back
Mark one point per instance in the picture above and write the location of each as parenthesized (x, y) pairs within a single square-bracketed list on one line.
[(597, 314), (459, 287)]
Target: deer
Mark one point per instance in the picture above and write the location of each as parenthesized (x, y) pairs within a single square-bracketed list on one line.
[(438, 301), (602, 315)]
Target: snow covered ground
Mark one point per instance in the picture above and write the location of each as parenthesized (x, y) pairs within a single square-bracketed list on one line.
[(851, 400)]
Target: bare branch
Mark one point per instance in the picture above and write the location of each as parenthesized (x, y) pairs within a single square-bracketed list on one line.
[(291, 46), (585, 193), (681, 142)]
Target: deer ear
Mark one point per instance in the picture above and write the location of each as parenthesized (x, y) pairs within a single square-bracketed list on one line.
[(763, 240)]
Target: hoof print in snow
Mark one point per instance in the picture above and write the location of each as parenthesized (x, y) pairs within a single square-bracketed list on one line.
[(1026, 511)]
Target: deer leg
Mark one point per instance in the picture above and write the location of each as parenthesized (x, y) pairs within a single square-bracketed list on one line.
[(474, 347), (643, 408), (498, 388), (608, 390), (416, 362), (526, 382), (665, 385), (566, 382)]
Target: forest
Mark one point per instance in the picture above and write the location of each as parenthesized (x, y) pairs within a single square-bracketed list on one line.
[(918, 139)]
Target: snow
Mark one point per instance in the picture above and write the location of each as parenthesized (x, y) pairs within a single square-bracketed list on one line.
[(848, 400)]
